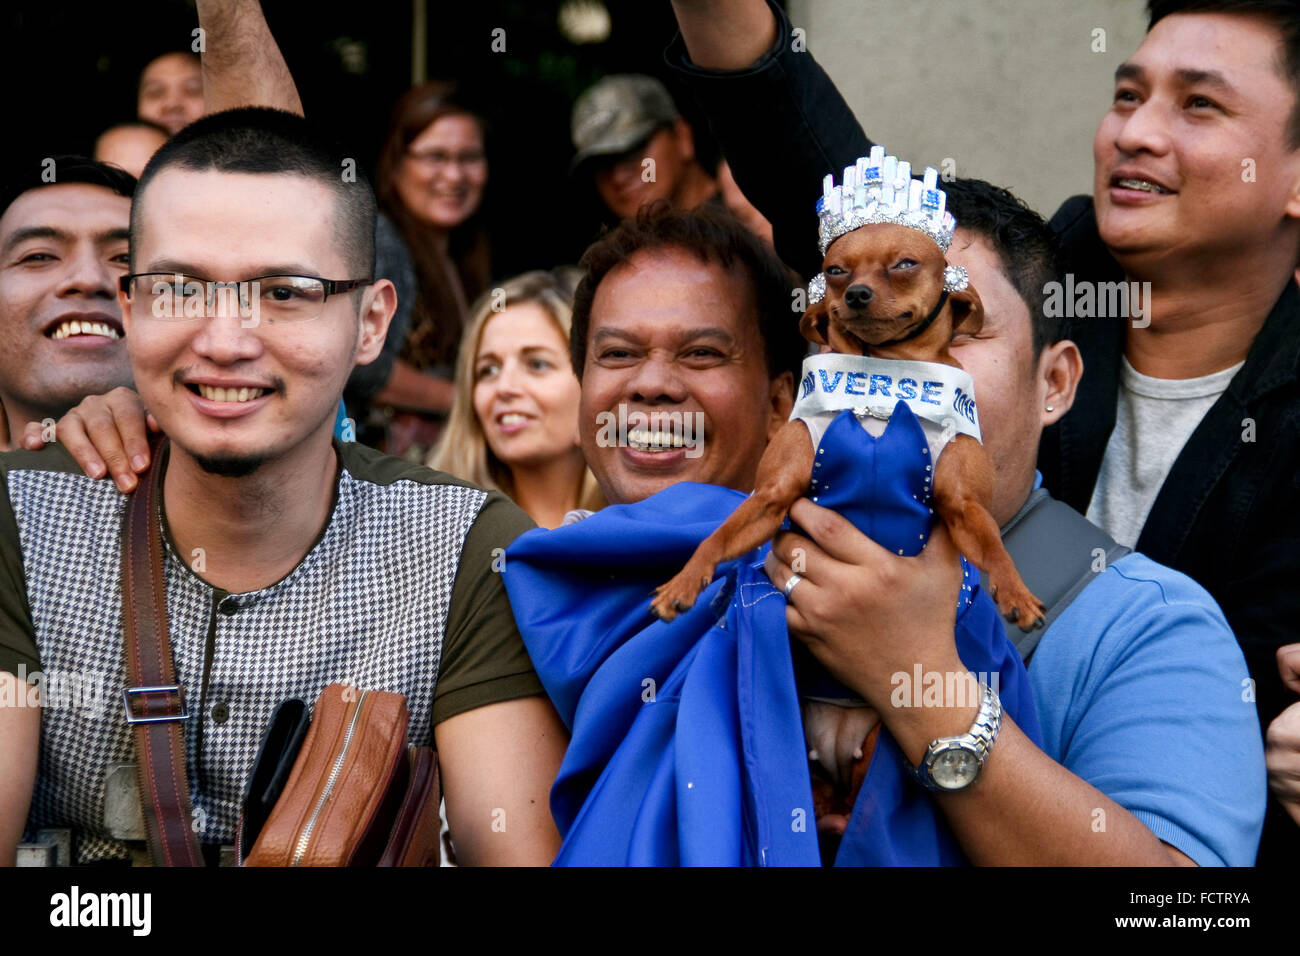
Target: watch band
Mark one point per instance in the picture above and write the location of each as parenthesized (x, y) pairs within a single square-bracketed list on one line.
[(978, 741), (987, 722)]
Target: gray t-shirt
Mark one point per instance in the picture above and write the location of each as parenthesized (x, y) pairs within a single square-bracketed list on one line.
[(1153, 420)]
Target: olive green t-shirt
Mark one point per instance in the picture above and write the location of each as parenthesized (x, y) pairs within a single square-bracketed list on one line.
[(483, 660)]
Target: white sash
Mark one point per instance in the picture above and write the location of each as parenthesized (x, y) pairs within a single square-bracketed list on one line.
[(938, 393)]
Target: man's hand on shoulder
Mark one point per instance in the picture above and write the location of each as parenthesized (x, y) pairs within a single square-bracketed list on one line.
[(106, 434)]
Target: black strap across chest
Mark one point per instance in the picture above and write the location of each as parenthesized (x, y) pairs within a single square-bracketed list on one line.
[(1058, 553)]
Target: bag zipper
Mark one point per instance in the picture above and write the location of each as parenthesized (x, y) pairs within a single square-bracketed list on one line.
[(304, 838)]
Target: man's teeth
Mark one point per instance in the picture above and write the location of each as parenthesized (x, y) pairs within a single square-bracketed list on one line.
[(643, 439), (231, 394), (85, 328), (1142, 185)]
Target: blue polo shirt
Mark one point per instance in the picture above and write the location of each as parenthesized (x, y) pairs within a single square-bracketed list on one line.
[(1143, 692)]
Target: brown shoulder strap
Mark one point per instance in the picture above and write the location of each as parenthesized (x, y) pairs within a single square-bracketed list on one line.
[(155, 704)]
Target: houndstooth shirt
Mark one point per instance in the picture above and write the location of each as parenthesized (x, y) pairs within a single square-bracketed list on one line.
[(400, 585)]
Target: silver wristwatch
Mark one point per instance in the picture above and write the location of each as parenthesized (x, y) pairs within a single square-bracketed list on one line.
[(954, 763)]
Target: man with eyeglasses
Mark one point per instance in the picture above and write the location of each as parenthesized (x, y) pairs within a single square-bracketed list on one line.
[(291, 560)]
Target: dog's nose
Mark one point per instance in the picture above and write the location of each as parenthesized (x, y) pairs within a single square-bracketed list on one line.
[(857, 296)]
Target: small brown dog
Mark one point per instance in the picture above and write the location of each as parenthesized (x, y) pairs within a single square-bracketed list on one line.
[(885, 287), (883, 282)]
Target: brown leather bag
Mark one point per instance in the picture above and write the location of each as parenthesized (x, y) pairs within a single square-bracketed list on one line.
[(357, 794)]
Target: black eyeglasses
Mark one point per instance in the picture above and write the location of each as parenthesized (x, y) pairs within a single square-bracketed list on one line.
[(281, 298)]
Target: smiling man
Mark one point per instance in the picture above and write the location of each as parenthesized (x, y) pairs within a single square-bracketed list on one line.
[(682, 319), (63, 247), (1185, 440), (272, 532)]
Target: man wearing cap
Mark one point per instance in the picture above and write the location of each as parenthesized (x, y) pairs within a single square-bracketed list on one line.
[(636, 147)]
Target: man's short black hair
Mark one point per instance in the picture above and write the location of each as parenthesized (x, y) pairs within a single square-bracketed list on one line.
[(1283, 14), (62, 170), (1025, 244), (714, 235), (263, 140)]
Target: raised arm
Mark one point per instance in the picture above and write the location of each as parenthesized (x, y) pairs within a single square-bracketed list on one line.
[(242, 66), (725, 34), (778, 117)]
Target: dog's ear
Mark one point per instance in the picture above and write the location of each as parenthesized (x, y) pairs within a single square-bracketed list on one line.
[(814, 326), (967, 311)]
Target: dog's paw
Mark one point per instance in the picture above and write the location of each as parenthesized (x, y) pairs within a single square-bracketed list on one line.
[(1017, 603), (679, 594)]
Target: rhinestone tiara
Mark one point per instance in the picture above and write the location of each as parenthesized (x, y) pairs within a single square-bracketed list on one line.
[(880, 188)]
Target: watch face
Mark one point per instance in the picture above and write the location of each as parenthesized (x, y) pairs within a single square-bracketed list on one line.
[(954, 769)]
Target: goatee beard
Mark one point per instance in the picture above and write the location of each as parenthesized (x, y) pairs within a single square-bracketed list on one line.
[(230, 466)]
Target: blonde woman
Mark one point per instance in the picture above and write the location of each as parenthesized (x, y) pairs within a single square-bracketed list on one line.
[(514, 421)]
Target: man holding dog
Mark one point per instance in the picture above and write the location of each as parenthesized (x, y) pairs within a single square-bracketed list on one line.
[(643, 339), (1170, 207)]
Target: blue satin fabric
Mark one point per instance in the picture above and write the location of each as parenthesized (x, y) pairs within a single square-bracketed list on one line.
[(880, 484), (687, 742)]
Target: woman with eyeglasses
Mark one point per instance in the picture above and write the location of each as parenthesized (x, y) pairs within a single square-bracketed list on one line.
[(429, 181)]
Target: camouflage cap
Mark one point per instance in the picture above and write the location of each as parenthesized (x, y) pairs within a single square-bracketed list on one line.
[(617, 113)]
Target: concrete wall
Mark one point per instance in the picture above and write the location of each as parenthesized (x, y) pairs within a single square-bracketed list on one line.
[(1010, 90)]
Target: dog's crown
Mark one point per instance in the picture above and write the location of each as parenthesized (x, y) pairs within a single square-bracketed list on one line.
[(879, 188)]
